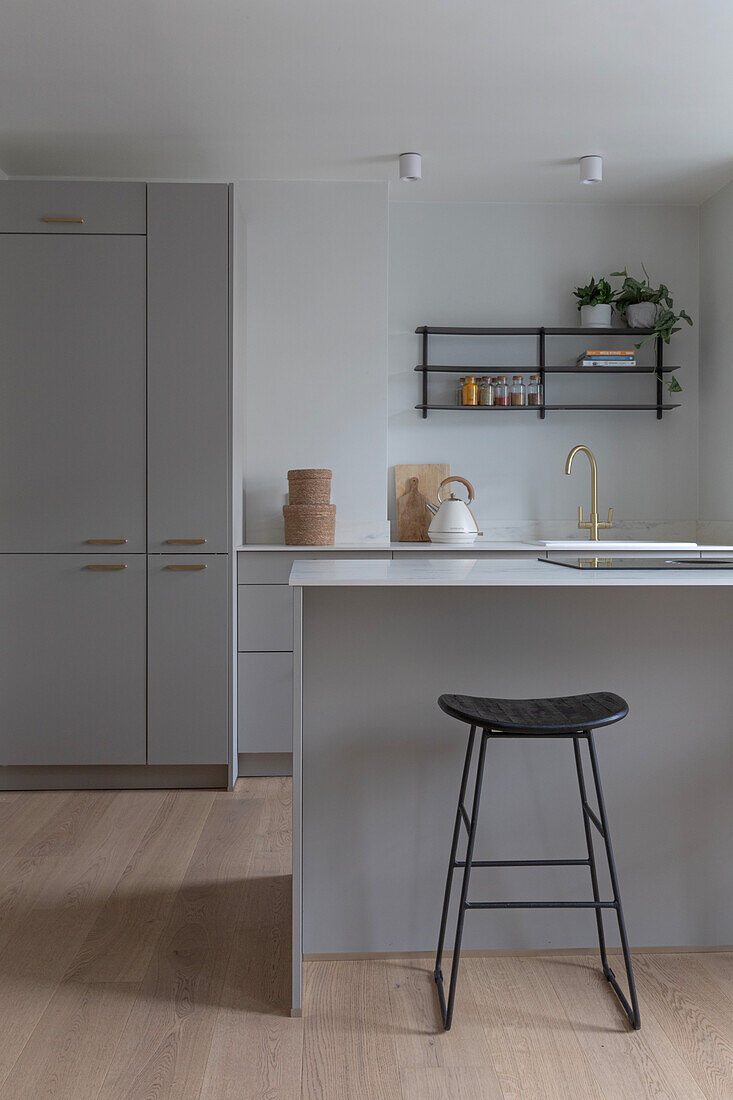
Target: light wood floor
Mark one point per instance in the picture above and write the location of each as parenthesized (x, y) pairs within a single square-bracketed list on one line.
[(144, 953)]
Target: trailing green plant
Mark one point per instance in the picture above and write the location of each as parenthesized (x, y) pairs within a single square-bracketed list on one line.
[(594, 293), (634, 291)]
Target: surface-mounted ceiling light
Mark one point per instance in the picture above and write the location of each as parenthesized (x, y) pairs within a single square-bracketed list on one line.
[(591, 169), (410, 166)]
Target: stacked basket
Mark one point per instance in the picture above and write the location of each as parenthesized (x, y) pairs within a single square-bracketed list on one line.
[(310, 518)]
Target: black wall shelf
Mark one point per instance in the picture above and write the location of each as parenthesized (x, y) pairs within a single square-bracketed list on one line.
[(425, 368)]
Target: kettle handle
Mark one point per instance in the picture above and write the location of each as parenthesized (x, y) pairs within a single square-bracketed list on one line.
[(463, 481)]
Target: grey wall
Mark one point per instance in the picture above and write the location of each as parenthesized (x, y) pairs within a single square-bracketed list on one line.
[(382, 763), (716, 363), (507, 264), (316, 348)]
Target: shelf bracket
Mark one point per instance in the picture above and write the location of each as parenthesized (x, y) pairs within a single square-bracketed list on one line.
[(541, 344), (424, 373)]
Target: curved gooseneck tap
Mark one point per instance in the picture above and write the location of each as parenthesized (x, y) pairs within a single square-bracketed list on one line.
[(594, 524)]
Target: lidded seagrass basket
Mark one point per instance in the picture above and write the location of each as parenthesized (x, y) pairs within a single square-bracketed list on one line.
[(310, 518)]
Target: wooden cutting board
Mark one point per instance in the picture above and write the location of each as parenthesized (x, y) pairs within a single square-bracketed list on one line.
[(413, 522)]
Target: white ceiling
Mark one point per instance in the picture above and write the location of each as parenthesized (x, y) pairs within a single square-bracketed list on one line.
[(500, 96)]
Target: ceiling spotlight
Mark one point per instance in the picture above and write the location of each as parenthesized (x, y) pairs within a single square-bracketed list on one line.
[(591, 169), (410, 166)]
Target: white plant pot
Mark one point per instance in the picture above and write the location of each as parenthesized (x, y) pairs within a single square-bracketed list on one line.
[(595, 316), (641, 314)]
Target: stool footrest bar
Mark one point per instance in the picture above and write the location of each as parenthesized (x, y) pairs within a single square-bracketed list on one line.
[(589, 814), (524, 863), (541, 905)]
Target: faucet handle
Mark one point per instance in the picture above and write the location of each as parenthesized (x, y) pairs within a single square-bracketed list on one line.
[(609, 521), (583, 524)]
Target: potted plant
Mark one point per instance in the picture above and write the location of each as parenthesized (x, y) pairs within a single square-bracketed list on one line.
[(594, 302), (645, 306)]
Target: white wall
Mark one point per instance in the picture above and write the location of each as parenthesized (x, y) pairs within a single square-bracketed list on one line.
[(716, 366), (517, 264), (316, 348)]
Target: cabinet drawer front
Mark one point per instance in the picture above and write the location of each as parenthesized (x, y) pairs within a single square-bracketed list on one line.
[(264, 617), (265, 702), (188, 659), (273, 566), (71, 207), (72, 659)]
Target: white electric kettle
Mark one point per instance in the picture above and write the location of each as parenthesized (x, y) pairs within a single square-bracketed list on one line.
[(453, 520)]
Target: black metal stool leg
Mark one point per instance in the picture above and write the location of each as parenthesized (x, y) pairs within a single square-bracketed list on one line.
[(591, 854), (453, 851), (447, 1010), (632, 1010)]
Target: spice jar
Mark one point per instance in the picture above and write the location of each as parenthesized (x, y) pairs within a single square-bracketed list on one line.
[(470, 390), (534, 390), (501, 391), (459, 392), (486, 391), (518, 394)]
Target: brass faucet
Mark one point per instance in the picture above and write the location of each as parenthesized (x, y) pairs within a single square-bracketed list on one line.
[(593, 524)]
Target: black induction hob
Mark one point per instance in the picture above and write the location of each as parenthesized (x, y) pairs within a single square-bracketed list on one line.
[(598, 561)]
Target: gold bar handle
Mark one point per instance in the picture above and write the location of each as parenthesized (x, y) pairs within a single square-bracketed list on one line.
[(181, 567), (68, 221), (106, 542), (112, 565), (185, 542)]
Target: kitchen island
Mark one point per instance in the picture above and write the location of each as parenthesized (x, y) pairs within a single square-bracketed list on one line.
[(377, 764)]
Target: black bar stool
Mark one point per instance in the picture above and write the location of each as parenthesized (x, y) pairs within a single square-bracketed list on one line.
[(573, 716)]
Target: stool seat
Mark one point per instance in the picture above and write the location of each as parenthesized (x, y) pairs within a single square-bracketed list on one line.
[(565, 714)]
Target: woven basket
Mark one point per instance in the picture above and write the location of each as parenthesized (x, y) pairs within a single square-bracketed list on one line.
[(309, 486), (309, 524)]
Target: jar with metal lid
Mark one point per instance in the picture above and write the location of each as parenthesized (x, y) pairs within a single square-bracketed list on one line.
[(470, 390), (518, 393), (534, 390), (501, 391), (485, 391)]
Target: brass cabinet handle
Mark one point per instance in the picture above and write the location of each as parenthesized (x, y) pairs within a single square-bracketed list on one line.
[(73, 221), (180, 567), (185, 542), (106, 542), (112, 565)]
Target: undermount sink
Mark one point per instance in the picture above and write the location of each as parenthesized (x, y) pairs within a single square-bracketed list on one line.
[(614, 544)]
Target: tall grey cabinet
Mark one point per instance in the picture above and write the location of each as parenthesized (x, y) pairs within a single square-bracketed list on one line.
[(115, 530)]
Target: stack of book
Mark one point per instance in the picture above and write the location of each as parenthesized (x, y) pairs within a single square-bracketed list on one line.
[(594, 358)]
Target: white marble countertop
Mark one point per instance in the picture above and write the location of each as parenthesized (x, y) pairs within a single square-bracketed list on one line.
[(491, 545), (480, 573)]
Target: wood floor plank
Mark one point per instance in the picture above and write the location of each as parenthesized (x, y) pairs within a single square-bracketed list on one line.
[(349, 1042), (165, 1044), (422, 1043), (52, 930), (625, 1063), (449, 1083), (719, 965), (121, 943), (70, 1049), (532, 1043), (256, 1049), (696, 1016)]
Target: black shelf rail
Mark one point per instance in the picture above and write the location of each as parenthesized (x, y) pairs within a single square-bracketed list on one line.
[(426, 368)]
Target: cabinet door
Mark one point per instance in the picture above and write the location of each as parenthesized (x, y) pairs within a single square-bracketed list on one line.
[(72, 659), (265, 702), (188, 368), (72, 393), (188, 659)]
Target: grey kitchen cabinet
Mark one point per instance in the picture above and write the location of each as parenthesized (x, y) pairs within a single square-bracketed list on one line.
[(71, 206), (72, 659), (189, 473), (265, 702), (264, 617), (188, 659), (72, 392)]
